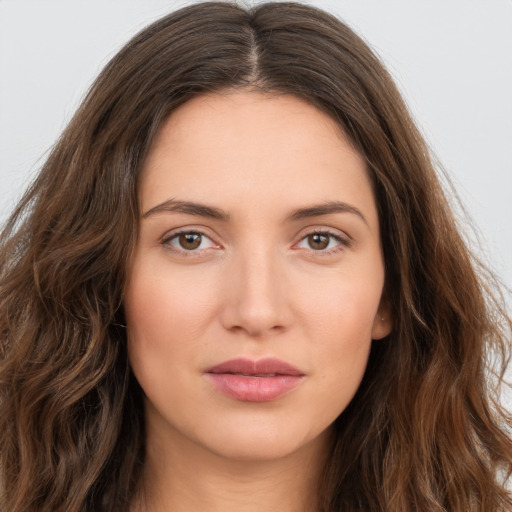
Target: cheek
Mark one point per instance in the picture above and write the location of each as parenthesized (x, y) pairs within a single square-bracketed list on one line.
[(344, 304), (166, 316), (339, 318), (344, 336), (159, 299)]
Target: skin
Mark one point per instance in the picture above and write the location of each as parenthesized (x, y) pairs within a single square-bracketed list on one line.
[(258, 285)]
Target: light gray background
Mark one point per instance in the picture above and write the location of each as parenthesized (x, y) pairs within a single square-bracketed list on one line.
[(451, 58)]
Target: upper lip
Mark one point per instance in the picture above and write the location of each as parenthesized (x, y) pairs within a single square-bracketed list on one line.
[(263, 367)]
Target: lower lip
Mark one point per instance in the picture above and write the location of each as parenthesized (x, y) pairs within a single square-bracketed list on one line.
[(254, 389)]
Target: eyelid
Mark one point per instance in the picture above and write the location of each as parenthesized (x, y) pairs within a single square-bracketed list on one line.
[(170, 235), (345, 240)]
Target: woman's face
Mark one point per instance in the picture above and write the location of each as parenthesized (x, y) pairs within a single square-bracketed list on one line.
[(255, 286)]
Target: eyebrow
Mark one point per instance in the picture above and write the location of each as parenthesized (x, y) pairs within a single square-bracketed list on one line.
[(326, 209), (189, 207), (202, 210)]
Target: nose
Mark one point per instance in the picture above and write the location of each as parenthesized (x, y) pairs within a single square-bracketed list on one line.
[(256, 300)]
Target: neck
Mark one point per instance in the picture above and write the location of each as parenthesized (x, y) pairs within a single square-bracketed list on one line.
[(183, 477)]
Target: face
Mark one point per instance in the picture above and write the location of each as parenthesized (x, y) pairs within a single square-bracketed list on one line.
[(255, 286)]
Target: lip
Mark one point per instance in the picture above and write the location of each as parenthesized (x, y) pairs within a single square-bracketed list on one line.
[(254, 381)]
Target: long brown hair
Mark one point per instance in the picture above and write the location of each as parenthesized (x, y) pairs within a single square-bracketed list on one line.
[(425, 431)]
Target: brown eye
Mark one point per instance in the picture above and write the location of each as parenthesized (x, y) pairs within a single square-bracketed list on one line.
[(189, 241), (318, 241)]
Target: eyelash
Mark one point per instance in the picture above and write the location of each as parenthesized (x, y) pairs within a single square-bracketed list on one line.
[(166, 241), (343, 242)]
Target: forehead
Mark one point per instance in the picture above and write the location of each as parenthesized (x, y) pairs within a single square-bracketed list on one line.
[(273, 149)]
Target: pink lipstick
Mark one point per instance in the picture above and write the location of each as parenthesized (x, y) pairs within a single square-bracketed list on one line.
[(254, 381)]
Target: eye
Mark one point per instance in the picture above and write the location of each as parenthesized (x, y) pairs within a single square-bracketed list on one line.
[(188, 241), (323, 241)]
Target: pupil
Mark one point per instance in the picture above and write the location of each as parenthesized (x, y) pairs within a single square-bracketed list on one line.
[(190, 240), (318, 241)]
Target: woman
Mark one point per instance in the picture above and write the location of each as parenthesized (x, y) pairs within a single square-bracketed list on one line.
[(236, 284)]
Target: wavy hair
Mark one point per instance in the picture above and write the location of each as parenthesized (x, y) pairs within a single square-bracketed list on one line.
[(425, 431)]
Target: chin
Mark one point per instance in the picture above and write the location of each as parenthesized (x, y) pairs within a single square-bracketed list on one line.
[(262, 443)]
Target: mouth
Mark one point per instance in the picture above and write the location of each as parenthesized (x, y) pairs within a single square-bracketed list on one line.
[(254, 381)]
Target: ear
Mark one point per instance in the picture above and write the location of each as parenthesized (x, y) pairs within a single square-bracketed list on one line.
[(383, 321)]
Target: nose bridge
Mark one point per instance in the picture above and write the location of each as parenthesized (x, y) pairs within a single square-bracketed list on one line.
[(256, 302), (258, 274)]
